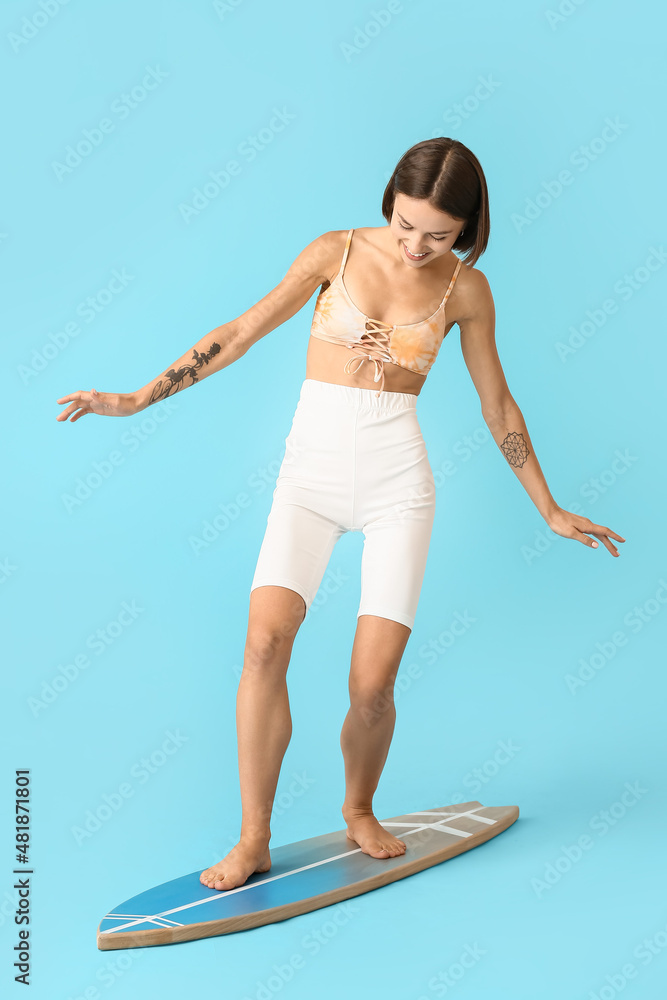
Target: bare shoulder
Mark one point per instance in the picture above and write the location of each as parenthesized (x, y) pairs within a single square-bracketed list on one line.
[(312, 267), (471, 298), (320, 260)]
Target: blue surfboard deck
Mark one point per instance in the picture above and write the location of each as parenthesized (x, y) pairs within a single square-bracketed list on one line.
[(304, 876)]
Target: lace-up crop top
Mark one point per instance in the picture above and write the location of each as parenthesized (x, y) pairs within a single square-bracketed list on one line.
[(413, 346)]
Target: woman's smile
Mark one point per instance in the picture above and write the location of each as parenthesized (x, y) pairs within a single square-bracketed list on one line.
[(415, 256)]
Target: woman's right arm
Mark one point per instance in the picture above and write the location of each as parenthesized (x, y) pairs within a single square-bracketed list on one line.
[(225, 343)]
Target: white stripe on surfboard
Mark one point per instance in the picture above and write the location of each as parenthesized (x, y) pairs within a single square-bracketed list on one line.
[(450, 815), (273, 878), (158, 921), (434, 826), (164, 922)]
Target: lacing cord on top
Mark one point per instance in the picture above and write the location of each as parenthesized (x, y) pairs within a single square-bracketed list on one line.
[(378, 353)]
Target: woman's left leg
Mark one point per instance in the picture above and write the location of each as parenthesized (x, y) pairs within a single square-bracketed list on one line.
[(393, 503), (378, 646)]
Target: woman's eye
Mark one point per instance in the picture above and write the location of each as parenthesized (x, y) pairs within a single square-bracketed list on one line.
[(438, 239)]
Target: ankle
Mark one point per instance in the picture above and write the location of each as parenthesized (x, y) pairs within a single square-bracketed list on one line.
[(255, 834), (350, 810)]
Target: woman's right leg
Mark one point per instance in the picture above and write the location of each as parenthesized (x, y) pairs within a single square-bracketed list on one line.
[(264, 728), (311, 503)]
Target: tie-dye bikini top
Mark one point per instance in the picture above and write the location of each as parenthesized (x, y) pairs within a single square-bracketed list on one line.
[(413, 346)]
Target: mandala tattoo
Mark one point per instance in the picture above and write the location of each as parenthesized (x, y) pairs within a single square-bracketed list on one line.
[(515, 449), (172, 380)]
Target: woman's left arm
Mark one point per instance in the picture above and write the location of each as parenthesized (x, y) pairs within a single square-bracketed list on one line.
[(476, 321)]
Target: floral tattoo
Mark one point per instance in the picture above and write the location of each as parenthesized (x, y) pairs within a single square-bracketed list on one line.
[(172, 380)]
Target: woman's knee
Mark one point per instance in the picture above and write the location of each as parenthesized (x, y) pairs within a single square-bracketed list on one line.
[(268, 642), (372, 699), (272, 628)]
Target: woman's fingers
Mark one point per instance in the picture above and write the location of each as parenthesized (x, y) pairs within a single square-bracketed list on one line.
[(582, 527), (64, 414), (82, 412), (581, 536), (603, 533), (600, 529), (78, 401), (608, 545), (76, 409)]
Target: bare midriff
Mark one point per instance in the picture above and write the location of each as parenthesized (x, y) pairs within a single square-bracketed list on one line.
[(325, 362)]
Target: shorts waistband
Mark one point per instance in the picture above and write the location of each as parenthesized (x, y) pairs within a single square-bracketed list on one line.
[(314, 389)]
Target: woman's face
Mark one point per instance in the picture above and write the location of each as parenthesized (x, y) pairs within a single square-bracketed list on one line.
[(420, 229)]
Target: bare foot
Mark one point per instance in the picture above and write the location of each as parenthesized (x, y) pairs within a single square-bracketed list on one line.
[(372, 838), (246, 857)]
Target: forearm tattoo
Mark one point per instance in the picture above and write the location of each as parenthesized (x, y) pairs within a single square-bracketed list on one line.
[(172, 380), (515, 449)]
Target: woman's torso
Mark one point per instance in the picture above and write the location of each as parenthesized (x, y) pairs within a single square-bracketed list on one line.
[(391, 296)]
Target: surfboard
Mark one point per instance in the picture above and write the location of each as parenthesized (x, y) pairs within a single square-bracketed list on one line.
[(304, 876)]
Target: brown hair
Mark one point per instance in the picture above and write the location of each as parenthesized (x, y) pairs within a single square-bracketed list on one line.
[(450, 177)]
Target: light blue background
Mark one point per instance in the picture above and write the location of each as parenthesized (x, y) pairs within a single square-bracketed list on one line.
[(540, 604)]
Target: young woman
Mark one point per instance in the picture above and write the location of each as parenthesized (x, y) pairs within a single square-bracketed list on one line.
[(355, 460)]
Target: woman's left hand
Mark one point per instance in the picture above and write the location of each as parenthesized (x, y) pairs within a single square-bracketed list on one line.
[(575, 526)]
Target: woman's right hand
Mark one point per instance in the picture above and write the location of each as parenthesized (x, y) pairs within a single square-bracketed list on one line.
[(106, 404)]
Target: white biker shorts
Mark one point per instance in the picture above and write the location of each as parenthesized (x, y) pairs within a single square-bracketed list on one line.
[(353, 462)]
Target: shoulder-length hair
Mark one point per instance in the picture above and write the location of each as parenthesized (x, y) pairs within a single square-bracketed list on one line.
[(450, 177)]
